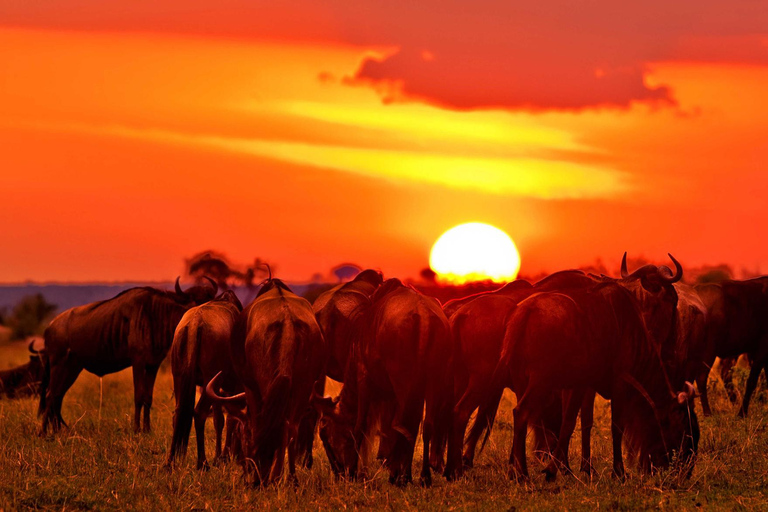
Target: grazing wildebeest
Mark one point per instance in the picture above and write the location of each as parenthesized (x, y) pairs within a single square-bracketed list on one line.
[(278, 354), (135, 329), (595, 337), (336, 311), (478, 330), (737, 323), (23, 380), (655, 290), (399, 361), (200, 350)]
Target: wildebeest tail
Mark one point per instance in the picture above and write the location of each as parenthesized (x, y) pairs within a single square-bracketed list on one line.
[(271, 423), (45, 382), (184, 365), (502, 375)]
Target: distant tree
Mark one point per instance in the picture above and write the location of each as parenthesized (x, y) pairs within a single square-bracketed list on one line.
[(346, 271), (217, 266), (715, 275), (30, 316), (428, 275), (3, 316)]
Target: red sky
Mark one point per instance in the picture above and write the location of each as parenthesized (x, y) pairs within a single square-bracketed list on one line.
[(136, 134)]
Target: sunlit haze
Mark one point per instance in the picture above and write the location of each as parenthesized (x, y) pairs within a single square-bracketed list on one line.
[(309, 135)]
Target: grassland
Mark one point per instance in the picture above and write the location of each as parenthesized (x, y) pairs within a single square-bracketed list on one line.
[(99, 463)]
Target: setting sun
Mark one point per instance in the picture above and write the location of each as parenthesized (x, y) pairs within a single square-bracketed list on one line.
[(474, 252)]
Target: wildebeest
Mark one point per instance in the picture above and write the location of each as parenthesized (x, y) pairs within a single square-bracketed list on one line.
[(278, 354), (595, 337), (737, 323), (399, 361), (478, 329), (200, 350), (23, 380), (135, 329), (337, 310)]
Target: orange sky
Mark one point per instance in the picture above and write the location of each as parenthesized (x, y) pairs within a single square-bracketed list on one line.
[(134, 136)]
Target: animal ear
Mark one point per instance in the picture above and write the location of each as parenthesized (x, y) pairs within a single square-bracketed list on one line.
[(688, 394)]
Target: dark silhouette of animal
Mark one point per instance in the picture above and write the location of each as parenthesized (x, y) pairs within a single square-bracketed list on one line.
[(595, 337), (478, 330), (672, 325), (134, 329), (278, 354), (737, 323), (399, 362), (200, 350), (337, 310), (23, 380)]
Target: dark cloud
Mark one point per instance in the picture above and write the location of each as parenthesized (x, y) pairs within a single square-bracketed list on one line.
[(555, 54)]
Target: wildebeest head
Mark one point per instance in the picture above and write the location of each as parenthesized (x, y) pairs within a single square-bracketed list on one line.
[(653, 287), (678, 441), (197, 294), (336, 434)]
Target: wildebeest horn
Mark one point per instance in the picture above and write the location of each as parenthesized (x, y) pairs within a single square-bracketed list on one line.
[(210, 391), (31, 349), (178, 286), (269, 269), (624, 271), (678, 272), (213, 283)]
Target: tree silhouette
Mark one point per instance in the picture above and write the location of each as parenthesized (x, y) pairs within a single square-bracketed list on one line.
[(30, 316)]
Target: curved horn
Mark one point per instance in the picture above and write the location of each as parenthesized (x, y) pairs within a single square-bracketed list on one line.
[(678, 272), (178, 286), (624, 272), (31, 349), (269, 269), (210, 392), (214, 284)]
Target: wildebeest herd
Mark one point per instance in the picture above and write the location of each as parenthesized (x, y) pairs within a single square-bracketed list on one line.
[(409, 364)]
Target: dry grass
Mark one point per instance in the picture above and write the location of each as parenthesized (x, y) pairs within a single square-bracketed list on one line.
[(99, 463)]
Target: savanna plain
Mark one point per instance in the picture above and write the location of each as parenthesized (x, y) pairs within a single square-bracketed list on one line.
[(100, 464)]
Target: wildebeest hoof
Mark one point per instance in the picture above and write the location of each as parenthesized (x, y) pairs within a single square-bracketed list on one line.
[(426, 480), (517, 476), (742, 413), (549, 474), (203, 466), (467, 462)]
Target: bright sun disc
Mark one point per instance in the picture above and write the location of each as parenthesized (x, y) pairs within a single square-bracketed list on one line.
[(474, 252)]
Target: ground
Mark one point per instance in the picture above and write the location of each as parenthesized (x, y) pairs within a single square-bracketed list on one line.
[(99, 463)]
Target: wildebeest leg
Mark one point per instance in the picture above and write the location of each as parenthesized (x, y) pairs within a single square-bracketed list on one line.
[(533, 400), (277, 467), (726, 373), (426, 437), (293, 447), (572, 401), (63, 375), (469, 401), (218, 426), (754, 375), (149, 388), (202, 409), (229, 442), (482, 424), (702, 375), (617, 434), (587, 420), (139, 382)]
